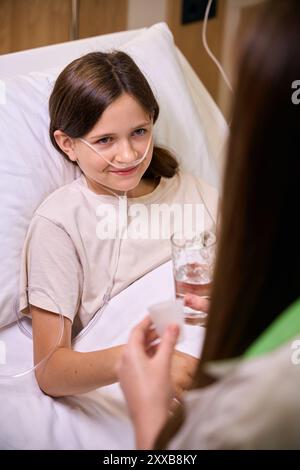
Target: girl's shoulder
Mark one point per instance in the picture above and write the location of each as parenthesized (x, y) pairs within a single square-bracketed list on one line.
[(193, 179), (60, 202), (197, 188), (197, 184)]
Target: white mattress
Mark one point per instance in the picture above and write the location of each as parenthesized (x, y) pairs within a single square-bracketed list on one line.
[(96, 420)]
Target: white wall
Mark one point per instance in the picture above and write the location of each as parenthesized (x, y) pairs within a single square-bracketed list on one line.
[(143, 13)]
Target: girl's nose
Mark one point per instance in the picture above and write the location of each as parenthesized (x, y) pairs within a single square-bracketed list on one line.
[(126, 153)]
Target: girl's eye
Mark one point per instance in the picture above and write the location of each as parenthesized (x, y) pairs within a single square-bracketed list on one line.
[(104, 140), (140, 132)]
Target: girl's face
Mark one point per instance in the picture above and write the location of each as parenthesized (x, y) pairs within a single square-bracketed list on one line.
[(121, 135)]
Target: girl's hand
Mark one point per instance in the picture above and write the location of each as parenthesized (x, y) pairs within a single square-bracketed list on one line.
[(183, 369), (145, 377), (196, 302)]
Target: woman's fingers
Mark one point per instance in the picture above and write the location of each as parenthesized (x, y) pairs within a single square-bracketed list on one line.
[(168, 343), (139, 332), (151, 335), (151, 350)]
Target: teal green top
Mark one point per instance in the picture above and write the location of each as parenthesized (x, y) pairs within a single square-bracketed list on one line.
[(283, 329)]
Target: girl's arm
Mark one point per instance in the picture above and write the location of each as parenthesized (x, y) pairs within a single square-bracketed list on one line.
[(68, 372)]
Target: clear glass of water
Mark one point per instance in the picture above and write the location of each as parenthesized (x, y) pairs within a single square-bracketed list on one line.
[(193, 262)]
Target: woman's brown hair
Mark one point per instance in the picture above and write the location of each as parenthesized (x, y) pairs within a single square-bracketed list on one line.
[(257, 273), (88, 85)]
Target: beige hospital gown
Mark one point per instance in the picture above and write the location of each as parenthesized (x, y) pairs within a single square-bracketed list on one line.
[(69, 269)]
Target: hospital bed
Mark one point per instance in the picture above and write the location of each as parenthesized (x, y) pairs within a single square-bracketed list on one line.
[(99, 419)]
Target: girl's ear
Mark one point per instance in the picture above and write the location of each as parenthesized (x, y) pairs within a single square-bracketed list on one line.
[(66, 144)]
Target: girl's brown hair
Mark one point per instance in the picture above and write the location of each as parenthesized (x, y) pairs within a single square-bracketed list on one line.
[(257, 272), (88, 85)]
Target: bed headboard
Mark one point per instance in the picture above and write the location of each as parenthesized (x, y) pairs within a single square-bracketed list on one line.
[(58, 55)]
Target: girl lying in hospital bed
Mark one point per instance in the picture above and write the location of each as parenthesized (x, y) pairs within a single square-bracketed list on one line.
[(102, 113)]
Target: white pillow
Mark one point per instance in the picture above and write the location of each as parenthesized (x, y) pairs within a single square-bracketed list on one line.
[(31, 168)]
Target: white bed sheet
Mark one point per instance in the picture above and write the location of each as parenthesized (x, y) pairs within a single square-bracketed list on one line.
[(96, 420)]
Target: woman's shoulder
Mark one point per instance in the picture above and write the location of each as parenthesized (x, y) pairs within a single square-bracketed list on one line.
[(257, 399)]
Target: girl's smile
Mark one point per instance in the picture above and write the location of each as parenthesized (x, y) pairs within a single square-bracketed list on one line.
[(127, 172)]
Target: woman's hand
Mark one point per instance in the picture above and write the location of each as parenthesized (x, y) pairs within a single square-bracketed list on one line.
[(145, 377)]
